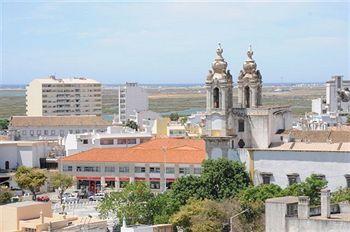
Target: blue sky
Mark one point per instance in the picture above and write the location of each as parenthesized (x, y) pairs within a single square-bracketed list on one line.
[(172, 42)]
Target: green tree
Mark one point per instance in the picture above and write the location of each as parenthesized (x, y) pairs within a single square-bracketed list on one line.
[(174, 117), (311, 187), (223, 178), (341, 195), (5, 195), (133, 203), (30, 178), (61, 182), (183, 120), (163, 206), (187, 187), (4, 123), (132, 124)]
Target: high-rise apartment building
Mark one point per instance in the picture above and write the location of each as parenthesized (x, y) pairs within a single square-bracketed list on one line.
[(132, 99), (58, 97)]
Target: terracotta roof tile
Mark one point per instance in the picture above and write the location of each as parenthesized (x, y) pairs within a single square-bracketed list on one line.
[(74, 120), (187, 151)]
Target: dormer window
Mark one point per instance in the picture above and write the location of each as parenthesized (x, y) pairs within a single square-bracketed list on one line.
[(292, 178), (266, 177), (216, 97)]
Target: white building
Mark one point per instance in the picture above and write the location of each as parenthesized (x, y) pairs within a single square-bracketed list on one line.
[(53, 96), (145, 119), (176, 130), (332, 104), (115, 136), (245, 124), (294, 214), (27, 153), (132, 99), (294, 162), (53, 127)]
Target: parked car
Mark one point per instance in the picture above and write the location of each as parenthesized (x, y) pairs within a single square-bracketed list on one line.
[(43, 198), (97, 197), (70, 198)]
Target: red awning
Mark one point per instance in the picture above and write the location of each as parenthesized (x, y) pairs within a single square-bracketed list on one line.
[(88, 178)]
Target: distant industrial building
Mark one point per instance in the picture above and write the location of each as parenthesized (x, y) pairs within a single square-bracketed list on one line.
[(332, 103), (57, 97), (132, 99)]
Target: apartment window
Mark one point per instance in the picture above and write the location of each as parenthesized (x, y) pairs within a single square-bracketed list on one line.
[(170, 170), (121, 141), (78, 169), (184, 171), (140, 169), (154, 185), (292, 178), (67, 168), (240, 125), (53, 132), (266, 177), (61, 132), (24, 132), (85, 141), (154, 170), (347, 178), (197, 170), (106, 142), (124, 169), (109, 169), (131, 141), (38, 132), (31, 132), (46, 132), (91, 169)]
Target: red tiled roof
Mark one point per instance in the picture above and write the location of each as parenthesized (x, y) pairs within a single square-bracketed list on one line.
[(186, 151)]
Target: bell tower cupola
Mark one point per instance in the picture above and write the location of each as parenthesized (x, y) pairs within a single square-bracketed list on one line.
[(249, 83)]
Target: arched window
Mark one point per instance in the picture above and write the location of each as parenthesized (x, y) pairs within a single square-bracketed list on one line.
[(247, 96), (216, 97)]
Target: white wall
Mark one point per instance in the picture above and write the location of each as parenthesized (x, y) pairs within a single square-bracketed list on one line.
[(334, 165)]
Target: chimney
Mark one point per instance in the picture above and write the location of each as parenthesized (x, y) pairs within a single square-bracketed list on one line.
[(325, 203), (303, 207)]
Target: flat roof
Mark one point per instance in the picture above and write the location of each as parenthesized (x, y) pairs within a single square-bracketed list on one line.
[(25, 203)]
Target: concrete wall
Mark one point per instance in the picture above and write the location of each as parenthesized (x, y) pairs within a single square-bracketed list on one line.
[(334, 165), (34, 99), (310, 225), (275, 217)]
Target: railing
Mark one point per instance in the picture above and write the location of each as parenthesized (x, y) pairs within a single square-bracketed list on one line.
[(316, 210)]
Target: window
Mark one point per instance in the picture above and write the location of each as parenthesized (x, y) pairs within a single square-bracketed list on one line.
[(154, 170), (78, 169), (123, 184), (31, 132), (320, 176), (292, 178), (216, 96), (240, 125), (292, 210), (61, 132), (131, 141), (184, 171), (106, 142), (121, 141), (197, 170), (170, 170), (67, 168), (140, 169), (266, 177), (154, 185), (85, 141), (124, 169), (91, 169), (46, 132), (24, 132), (109, 169), (347, 177), (38, 132), (53, 132)]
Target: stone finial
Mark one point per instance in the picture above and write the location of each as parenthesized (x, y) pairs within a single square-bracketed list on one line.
[(219, 50), (303, 207), (250, 52)]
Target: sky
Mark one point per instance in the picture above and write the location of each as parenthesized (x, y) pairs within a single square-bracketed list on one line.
[(172, 42)]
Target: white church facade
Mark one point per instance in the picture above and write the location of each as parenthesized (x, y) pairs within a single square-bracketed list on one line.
[(245, 123)]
